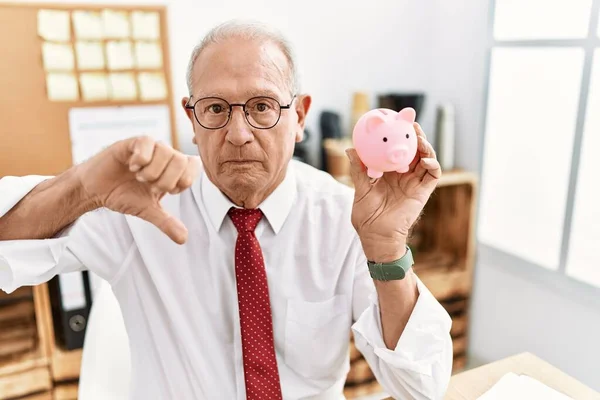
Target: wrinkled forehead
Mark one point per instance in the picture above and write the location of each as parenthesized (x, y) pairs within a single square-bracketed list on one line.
[(238, 68)]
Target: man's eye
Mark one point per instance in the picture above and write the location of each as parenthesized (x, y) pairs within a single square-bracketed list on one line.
[(262, 107), (215, 108)]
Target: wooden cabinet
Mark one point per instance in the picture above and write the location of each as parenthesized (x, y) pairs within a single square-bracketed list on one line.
[(31, 364)]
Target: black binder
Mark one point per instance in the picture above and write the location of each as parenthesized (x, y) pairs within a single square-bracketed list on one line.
[(71, 300)]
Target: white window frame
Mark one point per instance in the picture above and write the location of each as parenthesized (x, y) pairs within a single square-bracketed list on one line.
[(556, 280)]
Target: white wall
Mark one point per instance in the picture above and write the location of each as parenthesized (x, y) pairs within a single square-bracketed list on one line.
[(513, 313), (382, 47)]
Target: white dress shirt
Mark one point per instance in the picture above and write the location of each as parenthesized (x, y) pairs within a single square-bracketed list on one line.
[(180, 307)]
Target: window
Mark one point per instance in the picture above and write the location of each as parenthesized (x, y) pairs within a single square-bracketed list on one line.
[(539, 192), (583, 260), (541, 19)]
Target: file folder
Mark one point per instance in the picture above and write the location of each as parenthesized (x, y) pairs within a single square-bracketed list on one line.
[(70, 299)]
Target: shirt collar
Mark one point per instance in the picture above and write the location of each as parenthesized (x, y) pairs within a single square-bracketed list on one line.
[(276, 207)]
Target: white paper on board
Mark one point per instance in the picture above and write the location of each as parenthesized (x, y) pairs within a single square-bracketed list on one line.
[(58, 57), (146, 25), (148, 55), (119, 54), (62, 86), (122, 86), (92, 129), (88, 25), (94, 86), (54, 25), (116, 24), (152, 86), (90, 55)]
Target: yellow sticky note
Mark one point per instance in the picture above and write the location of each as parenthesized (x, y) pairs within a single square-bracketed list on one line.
[(119, 55), (122, 86), (87, 25), (62, 86), (57, 57), (94, 86), (148, 55), (152, 86), (54, 25), (116, 24), (90, 55), (146, 25)]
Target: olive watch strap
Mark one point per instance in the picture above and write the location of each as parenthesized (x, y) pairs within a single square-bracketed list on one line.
[(394, 270)]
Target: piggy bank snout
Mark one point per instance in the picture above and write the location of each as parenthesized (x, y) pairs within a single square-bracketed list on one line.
[(397, 154)]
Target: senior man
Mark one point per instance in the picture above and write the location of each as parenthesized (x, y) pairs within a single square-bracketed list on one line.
[(241, 276)]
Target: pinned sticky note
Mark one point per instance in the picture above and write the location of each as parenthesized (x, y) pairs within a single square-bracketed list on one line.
[(122, 86), (62, 86), (87, 25), (90, 55), (152, 86), (148, 55), (119, 55), (116, 24), (57, 57), (94, 86), (146, 25), (54, 25)]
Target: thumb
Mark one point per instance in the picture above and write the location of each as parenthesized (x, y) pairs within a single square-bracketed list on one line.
[(170, 225), (357, 169)]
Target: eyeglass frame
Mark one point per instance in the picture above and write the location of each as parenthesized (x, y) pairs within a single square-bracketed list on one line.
[(243, 105)]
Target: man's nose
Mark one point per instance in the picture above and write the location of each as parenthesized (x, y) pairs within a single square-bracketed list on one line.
[(238, 129)]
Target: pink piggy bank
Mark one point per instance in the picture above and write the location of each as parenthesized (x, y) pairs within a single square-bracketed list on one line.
[(385, 140)]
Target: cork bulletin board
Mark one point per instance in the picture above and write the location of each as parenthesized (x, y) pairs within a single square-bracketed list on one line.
[(57, 58)]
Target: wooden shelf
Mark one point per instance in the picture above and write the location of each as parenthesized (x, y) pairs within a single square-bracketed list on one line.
[(66, 391), (65, 364), (39, 396), (25, 375)]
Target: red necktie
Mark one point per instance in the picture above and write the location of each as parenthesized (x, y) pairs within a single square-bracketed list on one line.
[(260, 365)]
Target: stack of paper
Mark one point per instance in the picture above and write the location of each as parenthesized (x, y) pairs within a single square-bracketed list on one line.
[(521, 387)]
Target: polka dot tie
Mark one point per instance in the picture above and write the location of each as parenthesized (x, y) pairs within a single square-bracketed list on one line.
[(258, 349)]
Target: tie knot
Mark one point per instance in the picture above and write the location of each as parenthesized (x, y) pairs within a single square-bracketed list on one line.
[(245, 220)]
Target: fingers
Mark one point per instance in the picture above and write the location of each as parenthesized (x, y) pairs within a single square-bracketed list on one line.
[(153, 162), (165, 169), (432, 171), (192, 170), (424, 148), (170, 225), (170, 176), (142, 150), (357, 169)]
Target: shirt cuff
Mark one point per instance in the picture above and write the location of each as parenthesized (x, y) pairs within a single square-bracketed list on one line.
[(30, 262), (423, 340), (25, 262)]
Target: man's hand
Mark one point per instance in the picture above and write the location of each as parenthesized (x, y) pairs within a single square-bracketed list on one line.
[(386, 209), (131, 177)]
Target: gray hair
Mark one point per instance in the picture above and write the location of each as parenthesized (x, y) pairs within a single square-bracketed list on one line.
[(247, 30)]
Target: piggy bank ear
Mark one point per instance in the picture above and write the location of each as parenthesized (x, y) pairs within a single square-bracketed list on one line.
[(407, 114), (374, 122)]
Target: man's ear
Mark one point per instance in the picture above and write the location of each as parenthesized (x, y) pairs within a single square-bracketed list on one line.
[(302, 106), (190, 114), (188, 111)]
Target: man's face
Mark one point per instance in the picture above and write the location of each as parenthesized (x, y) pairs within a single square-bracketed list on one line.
[(243, 161)]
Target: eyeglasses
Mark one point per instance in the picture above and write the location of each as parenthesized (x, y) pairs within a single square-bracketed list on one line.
[(261, 112)]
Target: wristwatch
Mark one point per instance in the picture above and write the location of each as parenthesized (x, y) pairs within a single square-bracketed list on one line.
[(394, 270)]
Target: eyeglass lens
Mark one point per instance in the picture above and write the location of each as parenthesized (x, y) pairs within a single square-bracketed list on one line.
[(261, 112)]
